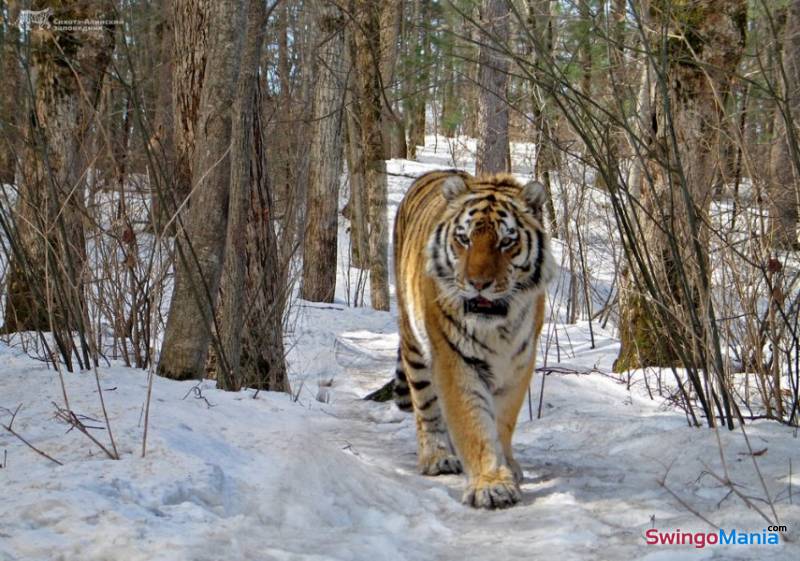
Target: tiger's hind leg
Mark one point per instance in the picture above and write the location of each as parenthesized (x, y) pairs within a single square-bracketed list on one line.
[(435, 455)]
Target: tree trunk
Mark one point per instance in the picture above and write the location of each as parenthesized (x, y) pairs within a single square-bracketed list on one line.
[(190, 19), (10, 92), (493, 150), (417, 75), (263, 364), (673, 329), (394, 142), (373, 164), (232, 306), (322, 196), (470, 84), (162, 141), (45, 280), (784, 184), (540, 23), (200, 244), (356, 208)]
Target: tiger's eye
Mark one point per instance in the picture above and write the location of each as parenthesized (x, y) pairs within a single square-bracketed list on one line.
[(462, 239), (506, 243)]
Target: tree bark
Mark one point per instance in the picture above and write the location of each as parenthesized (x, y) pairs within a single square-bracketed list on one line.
[(162, 141), (10, 92), (322, 196), (393, 134), (45, 280), (784, 184), (200, 244), (704, 45), (356, 208), (418, 76), (232, 306), (190, 19), (540, 23), (373, 164), (493, 149), (263, 363)]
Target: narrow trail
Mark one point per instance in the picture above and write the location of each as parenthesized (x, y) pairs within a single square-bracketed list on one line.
[(592, 464)]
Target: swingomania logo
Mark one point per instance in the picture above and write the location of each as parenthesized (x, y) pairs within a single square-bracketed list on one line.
[(767, 536)]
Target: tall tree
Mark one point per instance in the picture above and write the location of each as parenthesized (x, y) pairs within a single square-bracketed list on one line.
[(784, 184), (10, 91), (322, 196), (540, 25), (373, 165), (417, 74), (200, 243), (393, 128), (67, 68), (493, 149), (251, 307), (162, 142), (190, 24), (703, 42)]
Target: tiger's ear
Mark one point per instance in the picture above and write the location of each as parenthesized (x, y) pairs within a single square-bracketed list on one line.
[(453, 186), (534, 195)]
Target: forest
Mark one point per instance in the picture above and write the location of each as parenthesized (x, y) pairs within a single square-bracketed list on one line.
[(201, 324)]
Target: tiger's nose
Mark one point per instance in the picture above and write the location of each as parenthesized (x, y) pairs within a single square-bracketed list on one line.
[(480, 284)]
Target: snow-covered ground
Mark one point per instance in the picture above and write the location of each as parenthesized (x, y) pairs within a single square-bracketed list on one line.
[(325, 475)]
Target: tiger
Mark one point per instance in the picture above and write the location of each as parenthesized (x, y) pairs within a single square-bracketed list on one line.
[(472, 262)]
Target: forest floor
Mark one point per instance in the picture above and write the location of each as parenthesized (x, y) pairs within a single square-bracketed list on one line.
[(324, 474)]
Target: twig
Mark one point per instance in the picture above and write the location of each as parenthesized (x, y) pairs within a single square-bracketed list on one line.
[(105, 413), (198, 394), (150, 376), (22, 439), (72, 419), (684, 504)]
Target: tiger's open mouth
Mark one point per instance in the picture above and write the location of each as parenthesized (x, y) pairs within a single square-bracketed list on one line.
[(481, 305)]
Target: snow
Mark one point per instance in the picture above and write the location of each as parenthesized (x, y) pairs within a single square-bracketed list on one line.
[(323, 475)]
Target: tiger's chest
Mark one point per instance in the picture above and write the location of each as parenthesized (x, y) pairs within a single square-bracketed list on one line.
[(504, 345)]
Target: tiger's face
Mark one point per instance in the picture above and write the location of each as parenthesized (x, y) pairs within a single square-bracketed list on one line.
[(491, 246)]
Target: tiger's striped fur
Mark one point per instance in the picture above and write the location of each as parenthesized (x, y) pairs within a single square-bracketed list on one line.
[(472, 261)]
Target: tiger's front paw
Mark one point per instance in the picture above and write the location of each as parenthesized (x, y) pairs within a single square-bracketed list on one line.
[(499, 490), (440, 464)]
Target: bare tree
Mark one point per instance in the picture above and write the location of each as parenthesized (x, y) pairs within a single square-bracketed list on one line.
[(65, 78), (10, 92), (417, 75), (705, 44), (540, 26), (165, 197), (190, 23), (232, 304), (322, 196), (263, 363), (200, 242), (784, 184), (493, 149), (394, 136), (373, 165)]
